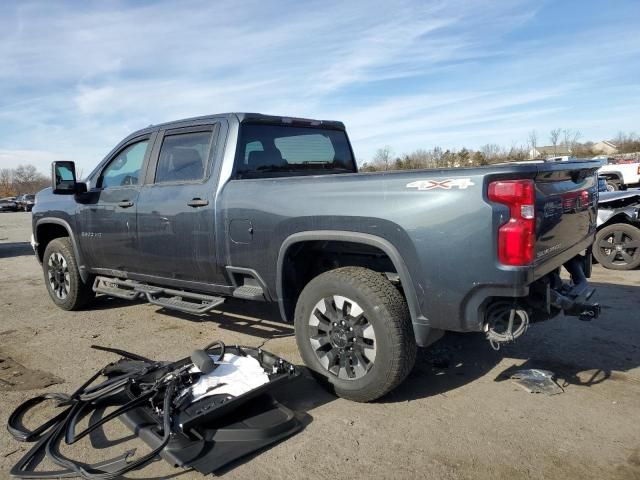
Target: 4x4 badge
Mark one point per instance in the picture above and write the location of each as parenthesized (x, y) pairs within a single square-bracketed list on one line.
[(446, 184)]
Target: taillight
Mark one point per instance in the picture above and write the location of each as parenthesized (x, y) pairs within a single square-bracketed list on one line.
[(638, 169), (584, 196), (516, 238)]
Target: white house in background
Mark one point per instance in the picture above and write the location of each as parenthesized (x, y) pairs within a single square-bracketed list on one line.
[(605, 147), (550, 151)]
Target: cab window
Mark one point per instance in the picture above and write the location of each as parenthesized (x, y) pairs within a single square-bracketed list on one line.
[(183, 157), (125, 169)]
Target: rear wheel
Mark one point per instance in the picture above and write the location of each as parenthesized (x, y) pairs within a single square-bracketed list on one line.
[(617, 247), (353, 327), (62, 278), (613, 185)]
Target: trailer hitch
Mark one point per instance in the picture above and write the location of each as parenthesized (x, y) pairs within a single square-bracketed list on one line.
[(589, 312), (573, 299)]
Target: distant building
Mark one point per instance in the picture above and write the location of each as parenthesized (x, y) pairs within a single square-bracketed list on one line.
[(605, 147), (550, 151)]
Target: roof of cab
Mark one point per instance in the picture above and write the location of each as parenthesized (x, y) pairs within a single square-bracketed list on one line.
[(245, 117)]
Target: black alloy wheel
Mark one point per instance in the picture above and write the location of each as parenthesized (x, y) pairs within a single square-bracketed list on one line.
[(617, 247)]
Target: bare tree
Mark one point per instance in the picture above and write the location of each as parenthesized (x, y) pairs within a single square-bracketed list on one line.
[(575, 140), (383, 157), (621, 138), (533, 142), (25, 174), (571, 138), (6, 183), (627, 142), (26, 179), (492, 152), (554, 136)]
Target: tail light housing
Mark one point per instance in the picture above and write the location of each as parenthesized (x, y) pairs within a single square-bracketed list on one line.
[(516, 238)]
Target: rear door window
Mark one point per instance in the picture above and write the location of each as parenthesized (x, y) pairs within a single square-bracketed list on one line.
[(183, 157)]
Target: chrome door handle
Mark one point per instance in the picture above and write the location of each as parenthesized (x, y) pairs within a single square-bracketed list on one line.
[(198, 202), (125, 204)]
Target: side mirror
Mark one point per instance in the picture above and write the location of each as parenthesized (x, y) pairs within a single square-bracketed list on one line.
[(63, 178)]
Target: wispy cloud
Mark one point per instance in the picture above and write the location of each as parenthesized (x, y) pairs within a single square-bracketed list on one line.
[(76, 77)]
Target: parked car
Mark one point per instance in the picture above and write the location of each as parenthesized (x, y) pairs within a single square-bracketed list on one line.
[(617, 244), (620, 174), (8, 204), (367, 265), (25, 202)]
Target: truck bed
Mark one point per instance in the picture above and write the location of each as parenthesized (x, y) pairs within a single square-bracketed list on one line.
[(439, 221)]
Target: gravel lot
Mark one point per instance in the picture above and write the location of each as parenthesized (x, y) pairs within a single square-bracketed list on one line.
[(455, 417)]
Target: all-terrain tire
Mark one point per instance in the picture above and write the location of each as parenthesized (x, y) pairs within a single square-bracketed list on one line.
[(629, 239), (384, 309), (74, 294), (613, 185)]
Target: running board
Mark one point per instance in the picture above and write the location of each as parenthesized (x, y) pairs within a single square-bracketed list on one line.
[(115, 287), (249, 292), (180, 300), (186, 302)]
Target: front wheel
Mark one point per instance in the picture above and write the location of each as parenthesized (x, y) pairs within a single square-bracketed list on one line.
[(617, 247), (353, 327), (61, 275)]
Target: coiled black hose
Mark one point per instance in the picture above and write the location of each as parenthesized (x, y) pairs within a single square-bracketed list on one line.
[(49, 435)]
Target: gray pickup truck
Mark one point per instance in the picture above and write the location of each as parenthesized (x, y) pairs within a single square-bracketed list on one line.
[(367, 265)]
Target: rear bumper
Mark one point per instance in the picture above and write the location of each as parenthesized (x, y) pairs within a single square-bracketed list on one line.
[(549, 296), (538, 288)]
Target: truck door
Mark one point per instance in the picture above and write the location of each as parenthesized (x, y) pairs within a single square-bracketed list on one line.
[(108, 210), (176, 211)]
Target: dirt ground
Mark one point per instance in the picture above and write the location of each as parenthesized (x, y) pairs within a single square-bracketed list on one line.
[(456, 416)]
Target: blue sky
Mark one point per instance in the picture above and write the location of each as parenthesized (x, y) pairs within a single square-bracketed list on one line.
[(76, 77)]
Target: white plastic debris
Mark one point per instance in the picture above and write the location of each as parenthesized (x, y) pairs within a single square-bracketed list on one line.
[(535, 380), (234, 376)]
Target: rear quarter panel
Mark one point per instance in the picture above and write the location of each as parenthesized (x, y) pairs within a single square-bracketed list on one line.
[(445, 234)]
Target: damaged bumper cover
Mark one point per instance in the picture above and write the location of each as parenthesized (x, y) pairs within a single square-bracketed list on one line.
[(506, 319), (156, 400)]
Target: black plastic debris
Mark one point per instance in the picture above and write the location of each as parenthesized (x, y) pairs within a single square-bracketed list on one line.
[(202, 412), (537, 381)]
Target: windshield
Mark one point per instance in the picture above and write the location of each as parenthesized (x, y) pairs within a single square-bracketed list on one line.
[(275, 150)]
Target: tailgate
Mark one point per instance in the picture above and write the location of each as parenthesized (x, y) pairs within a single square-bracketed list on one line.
[(566, 206)]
